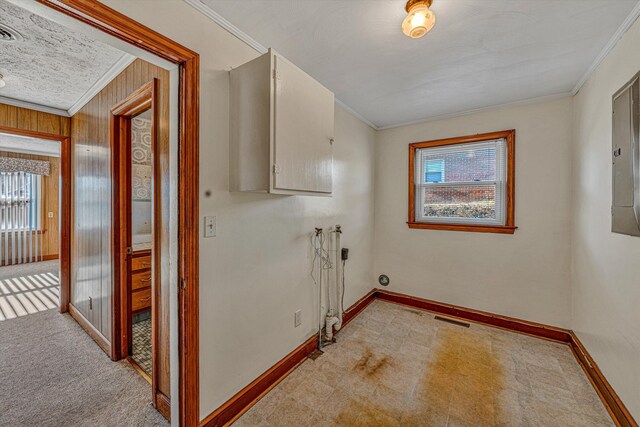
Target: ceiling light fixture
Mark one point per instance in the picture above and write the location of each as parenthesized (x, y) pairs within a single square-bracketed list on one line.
[(420, 20), (2, 82)]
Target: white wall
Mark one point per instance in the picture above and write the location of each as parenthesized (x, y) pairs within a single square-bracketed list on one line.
[(606, 266), (525, 275), (255, 273)]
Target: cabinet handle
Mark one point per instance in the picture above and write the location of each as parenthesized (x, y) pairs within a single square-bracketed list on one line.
[(146, 280), (146, 263), (145, 299)]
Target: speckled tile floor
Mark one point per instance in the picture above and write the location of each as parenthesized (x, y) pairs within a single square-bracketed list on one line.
[(395, 366), (141, 345)]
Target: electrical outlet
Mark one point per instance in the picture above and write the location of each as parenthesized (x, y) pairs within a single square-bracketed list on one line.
[(50, 214), (297, 318), (209, 226)]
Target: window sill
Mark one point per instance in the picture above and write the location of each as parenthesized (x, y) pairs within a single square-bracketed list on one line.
[(500, 229)]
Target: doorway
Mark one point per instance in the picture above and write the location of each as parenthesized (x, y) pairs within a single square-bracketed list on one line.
[(138, 227), (35, 216)]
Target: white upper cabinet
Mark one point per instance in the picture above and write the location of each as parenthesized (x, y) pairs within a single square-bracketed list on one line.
[(281, 129)]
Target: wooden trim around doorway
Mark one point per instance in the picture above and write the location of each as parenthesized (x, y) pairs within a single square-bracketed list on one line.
[(110, 21), (144, 98)]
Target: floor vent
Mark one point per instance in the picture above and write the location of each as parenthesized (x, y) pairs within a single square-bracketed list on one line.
[(455, 322), (8, 34)]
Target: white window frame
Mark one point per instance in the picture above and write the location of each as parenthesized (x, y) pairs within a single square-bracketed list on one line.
[(499, 183)]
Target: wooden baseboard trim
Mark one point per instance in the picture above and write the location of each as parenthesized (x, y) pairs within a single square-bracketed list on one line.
[(102, 342), (509, 323), (358, 307), (163, 405), (33, 260), (246, 397), (609, 397)]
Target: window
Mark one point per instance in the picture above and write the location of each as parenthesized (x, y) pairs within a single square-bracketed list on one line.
[(464, 184), (433, 170), (20, 201)]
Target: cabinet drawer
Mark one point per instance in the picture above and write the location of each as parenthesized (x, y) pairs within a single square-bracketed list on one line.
[(140, 280), (141, 263), (141, 300)]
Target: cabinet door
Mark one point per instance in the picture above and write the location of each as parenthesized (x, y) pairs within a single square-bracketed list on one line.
[(303, 132)]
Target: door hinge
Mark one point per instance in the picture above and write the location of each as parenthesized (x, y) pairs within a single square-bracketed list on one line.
[(276, 169), (183, 284), (276, 75)]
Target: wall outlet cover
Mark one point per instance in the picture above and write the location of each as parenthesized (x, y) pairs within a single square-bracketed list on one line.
[(297, 318)]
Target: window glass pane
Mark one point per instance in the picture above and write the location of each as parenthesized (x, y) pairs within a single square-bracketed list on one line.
[(460, 201), (464, 163), (434, 170)]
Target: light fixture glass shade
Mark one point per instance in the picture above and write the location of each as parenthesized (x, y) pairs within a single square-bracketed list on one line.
[(419, 21)]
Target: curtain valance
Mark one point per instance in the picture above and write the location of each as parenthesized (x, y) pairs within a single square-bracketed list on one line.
[(36, 167)]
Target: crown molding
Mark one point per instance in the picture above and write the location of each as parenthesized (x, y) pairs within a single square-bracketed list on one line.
[(244, 37), (222, 21), (33, 106), (622, 29), (356, 114), (481, 109), (113, 72)]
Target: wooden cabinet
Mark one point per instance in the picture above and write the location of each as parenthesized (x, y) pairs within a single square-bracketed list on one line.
[(281, 129), (140, 281)]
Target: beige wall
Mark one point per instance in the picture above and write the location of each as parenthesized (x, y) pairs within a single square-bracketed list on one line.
[(606, 266), (525, 275), (255, 274)]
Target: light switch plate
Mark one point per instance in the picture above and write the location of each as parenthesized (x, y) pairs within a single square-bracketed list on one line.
[(50, 214), (209, 226)]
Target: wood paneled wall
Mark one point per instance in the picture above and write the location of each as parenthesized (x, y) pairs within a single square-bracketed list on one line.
[(50, 201), (91, 254), (30, 120), (25, 119)]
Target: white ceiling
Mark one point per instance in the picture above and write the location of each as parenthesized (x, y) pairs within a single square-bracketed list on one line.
[(52, 65), (481, 52), (29, 145)]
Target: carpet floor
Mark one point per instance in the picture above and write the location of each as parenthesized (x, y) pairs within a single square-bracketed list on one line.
[(53, 374), (28, 288)]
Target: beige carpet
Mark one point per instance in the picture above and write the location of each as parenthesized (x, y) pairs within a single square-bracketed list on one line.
[(53, 374)]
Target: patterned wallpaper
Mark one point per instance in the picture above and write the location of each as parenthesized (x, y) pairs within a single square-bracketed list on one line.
[(141, 169)]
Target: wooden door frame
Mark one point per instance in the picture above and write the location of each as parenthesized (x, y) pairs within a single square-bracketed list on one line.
[(116, 24), (143, 99), (64, 208)]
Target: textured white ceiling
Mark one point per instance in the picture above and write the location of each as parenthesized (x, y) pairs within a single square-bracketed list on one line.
[(29, 145), (480, 53), (52, 65)]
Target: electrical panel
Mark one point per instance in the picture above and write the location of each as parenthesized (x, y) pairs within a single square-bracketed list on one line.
[(625, 209)]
